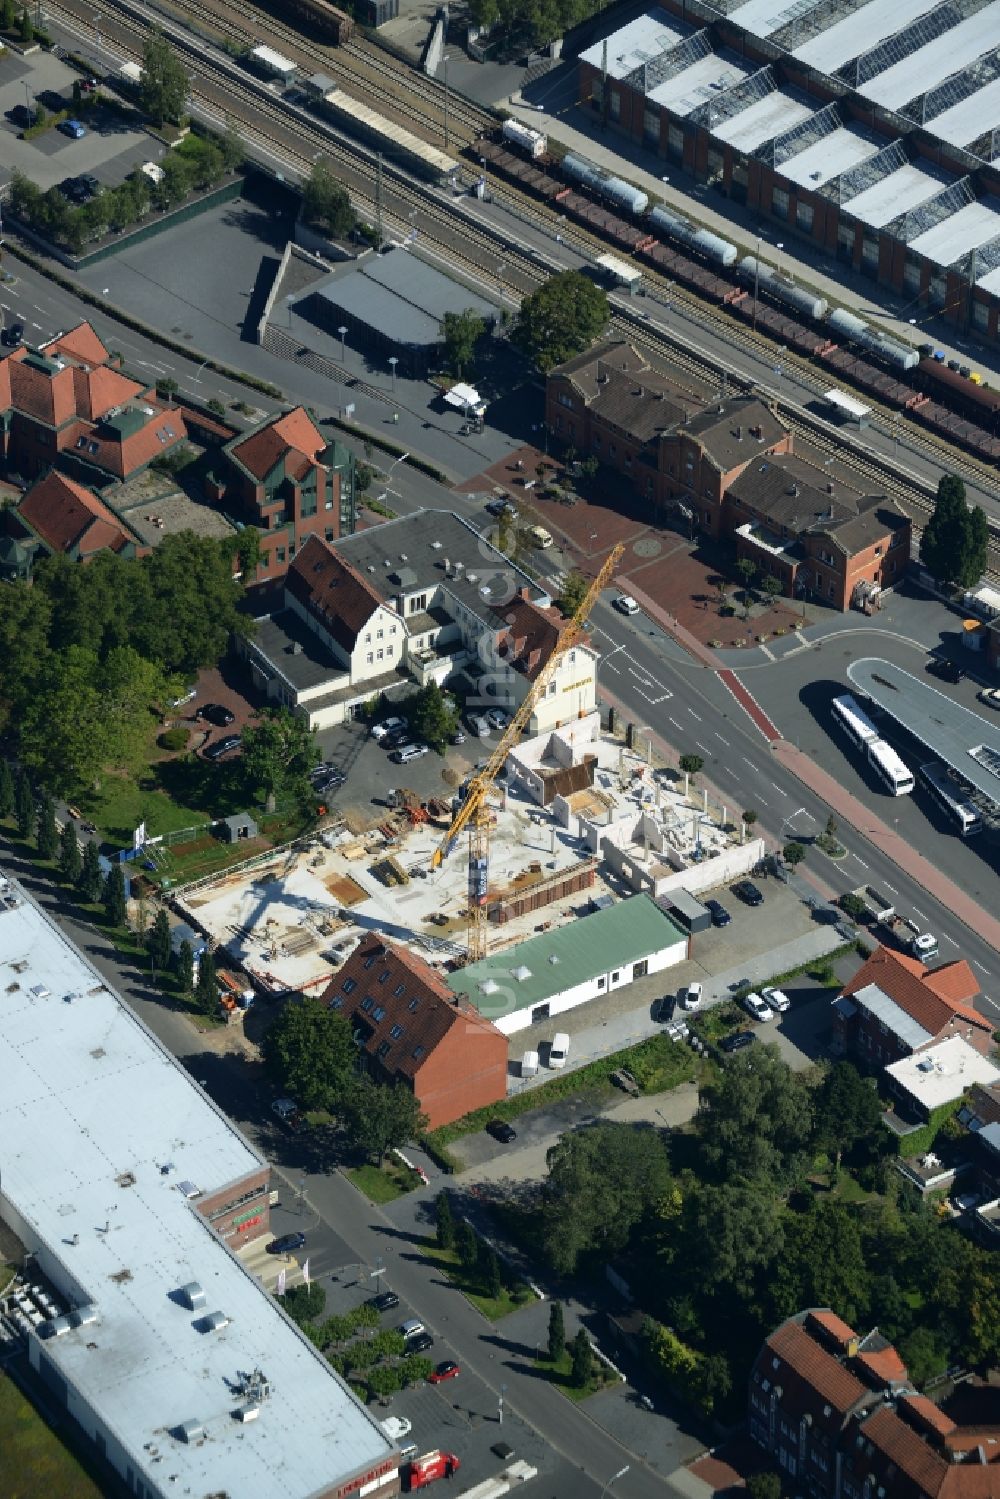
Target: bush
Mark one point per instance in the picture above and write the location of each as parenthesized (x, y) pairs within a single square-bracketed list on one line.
[(174, 739), (304, 1303)]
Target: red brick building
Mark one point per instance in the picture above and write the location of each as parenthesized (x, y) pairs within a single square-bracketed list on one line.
[(729, 467), (415, 1032), (839, 1416), (289, 482), (894, 1007), (65, 402), (60, 515)]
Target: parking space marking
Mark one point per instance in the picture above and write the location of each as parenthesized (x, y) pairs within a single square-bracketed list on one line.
[(919, 913), (703, 747), (859, 858), (719, 736), (694, 714), (991, 1002), (891, 887), (982, 969), (778, 789), (946, 938)]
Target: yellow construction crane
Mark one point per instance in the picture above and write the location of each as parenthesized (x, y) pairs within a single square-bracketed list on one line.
[(474, 813)]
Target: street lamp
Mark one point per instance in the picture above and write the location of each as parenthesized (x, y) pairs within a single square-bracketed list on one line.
[(501, 267), (756, 280), (393, 361), (614, 1478), (342, 330), (445, 61), (503, 1391)]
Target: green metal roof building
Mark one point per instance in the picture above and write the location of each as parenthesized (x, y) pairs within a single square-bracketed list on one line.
[(571, 964)]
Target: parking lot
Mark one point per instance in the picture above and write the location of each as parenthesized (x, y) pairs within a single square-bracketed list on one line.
[(110, 149)]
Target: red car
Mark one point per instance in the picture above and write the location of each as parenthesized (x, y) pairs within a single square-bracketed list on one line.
[(443, 1372)]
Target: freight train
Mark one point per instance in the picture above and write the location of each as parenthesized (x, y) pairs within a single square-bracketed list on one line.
[(323, 19), (948, 399)]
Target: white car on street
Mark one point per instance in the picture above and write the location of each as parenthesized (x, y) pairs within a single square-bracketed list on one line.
[(626, 604), (777, 999), (990, 696), (692, 997), (757, 1008)]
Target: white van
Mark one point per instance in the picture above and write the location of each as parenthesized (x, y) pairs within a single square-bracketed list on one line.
[(529, 1064), (408, 752), (540, 538), (559, 1050)]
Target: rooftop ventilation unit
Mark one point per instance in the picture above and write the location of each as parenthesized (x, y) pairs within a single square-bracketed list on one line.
[(214, 1322), (189, 1190), (189, 1431), (521, 973), (193, 1296)]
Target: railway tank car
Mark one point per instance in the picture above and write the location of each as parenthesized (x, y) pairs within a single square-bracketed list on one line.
[(781, 289), (532, 142), (613, 189), (710, 246), (853, 330)]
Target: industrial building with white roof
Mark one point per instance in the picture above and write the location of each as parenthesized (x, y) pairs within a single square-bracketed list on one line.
[(872, 130), (130, 1193)]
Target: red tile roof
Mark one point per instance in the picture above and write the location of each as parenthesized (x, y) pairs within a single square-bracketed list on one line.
[(883, 1364), (340, 597), (97, 391), (100, 445), (793, 1345), (80, 343), (48, 396), (924, 1468), (293, 436), (925, 1415), (529, 635), (69, 517), (413, 997), (931, 997), (835, 1327)]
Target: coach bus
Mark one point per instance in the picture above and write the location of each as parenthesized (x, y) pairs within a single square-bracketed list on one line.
[(890, 769), (948, 794), (856, 725)]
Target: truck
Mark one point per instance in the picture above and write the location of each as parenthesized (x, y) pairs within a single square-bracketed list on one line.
[(423, 1470), (235, 987), (894, 929), (877, 907)]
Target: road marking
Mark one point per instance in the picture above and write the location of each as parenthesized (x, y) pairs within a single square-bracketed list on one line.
[(763, 799), (946, 938), (719, 736), (982, 969), (858, 857), (652, 683), (703, 747), (919, 913), (991, 1002), (674, 722), (616, 669), (766, 652), (38, 326), (778, 789), (890, 887), (694, 714)]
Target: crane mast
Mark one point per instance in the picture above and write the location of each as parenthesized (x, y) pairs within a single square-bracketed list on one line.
[(474, 813)]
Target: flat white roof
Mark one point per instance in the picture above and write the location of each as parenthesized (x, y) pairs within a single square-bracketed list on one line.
[(902, 190), (706, 79), (272, 59), (761, 17), (101, 1127), (837, 152), (849, 404), (991, 281), (971, 118), (960, 233), (625, 270), (942, 1073), (863, 29), (762, 121), (930, 64), (641, 41)]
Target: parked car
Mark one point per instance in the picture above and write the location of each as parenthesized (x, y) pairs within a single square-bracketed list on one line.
[(757, 1008), (385, 1301), (665, 1008), (458, 737), (480, 726), (747, 892), (88, 85), (498, 718), (286, 1244), (447, 1370), (777, 999), (22, 116), (946, 669), (397, 1427), (408, 752), (73, 129), (188, 696), (13, 335), (502, 1131), (223, 747), (217, 714), (720, 916), (287, 1110), (387, 726), (692, 996), (397, 737), (626, 604), (502, 507), (411, 1327), (539, 537), (622, 1078), (737, 1041), (990, 696), (420, 1344)]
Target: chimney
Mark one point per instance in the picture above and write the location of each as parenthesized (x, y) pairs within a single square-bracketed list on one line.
[(458, 569), (447, 568)]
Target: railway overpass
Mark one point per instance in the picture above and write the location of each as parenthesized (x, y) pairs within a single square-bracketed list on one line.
[(967, 743)]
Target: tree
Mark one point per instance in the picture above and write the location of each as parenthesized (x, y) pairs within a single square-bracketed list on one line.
[(310, 1052), (466, 1245), (755, 1120), (185, 604), (206, 988), (460, 332), (175, 184), (159, 942), (185, 968), (822, 1263), (691, 765), (113, 895), (954, 545), (583, 1359), (793, 853), (444, 1221), (247, 543), (602, 1181), (231, 144), (363, 476), (747, 569), (847, 1110), (560, 319), (380, 1117), (772, 586), (26, 32), (326, 205), (8, 15), (6, 789), (164, 88), (764, 1486), (573, 593), (91, 881), (976, 558), (279, 753), (70, 858), (24, 805), (46, 834), (209, 165), (853, 906), (748, 819), (557, 1332), (433, 716), (490, 1272)]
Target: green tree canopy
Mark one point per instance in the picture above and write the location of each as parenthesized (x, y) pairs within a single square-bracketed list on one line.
[(691, 764), (560, 319), (311, 1054), (434, 716), (847, 1109), (573, 593), (159, 941), (822, 1263), (70, 858), (185, 968), (326, 205), (460, 332), (206, 988), (380, 1117), (950, 541), (91, 880), (755, 1119), (601, 1182), (115, 906), (164, 88), (279, 753)]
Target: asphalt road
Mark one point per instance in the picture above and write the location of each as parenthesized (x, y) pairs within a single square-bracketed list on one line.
[(691, 709)]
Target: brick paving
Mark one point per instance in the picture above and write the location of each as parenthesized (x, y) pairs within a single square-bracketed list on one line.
[(685, 574)]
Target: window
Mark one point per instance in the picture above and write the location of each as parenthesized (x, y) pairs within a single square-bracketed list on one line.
[(418, 1052), (369, 659), (639, 970), (384, 976), (368, 638), (349, 986), (616, 975), (398, 990), (383, 1051), (651, 125), (878, 551), (396, 1032), (381, 654), (390, 651), (379, 1013), (566, 401), (380, 635), (328, 534), (804, 217), (336, 1002), (281, 554), (370, 961), (980, 315), (414, 1002), (779, 203), (367, 1003), (616, 104)]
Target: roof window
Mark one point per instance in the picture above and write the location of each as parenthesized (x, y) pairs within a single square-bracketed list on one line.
[(379, 1014), (418, 1052), (349, 986), (367, 1003), (396, 1032), (414, 1002)]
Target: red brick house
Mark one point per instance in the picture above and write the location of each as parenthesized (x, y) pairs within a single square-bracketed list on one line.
[(894, 1007), (415, 1032), (839, 1416), (61, 515), (289, 482), (65, 401)]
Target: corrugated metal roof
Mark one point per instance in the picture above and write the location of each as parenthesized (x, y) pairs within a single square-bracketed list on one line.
[(892, 1015), (569, 955)]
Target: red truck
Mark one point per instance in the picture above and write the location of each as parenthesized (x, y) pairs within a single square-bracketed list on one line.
[(424, 1470)]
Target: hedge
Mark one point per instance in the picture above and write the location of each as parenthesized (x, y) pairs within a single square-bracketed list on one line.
[(390, 447)]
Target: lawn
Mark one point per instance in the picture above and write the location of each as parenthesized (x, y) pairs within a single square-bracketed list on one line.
[(492, 1307), (383, 1183), (560, 1374), (36, 1464)]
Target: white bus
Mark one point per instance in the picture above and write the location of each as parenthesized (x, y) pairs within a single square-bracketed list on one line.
[(889, 767), (855, 724), (948, 794)]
